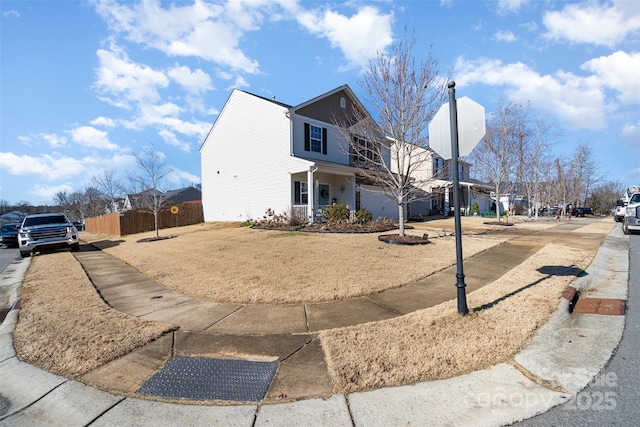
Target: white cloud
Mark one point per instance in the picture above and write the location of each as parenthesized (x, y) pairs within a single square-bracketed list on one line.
[(619, 71), (359, 37), (11, 13), (89, 136), (597, 24), (579, 101), (504, 36), (194, 82), (510, 5), (200, 29), (631, 133), (124, 81), (51, 139), (103, 121), (48, 192), (171, 139), (181, 178), (50, 166)]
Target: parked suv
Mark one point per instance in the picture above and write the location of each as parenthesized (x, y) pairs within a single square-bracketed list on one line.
[(631, 222), (9, 234), (46, 231)]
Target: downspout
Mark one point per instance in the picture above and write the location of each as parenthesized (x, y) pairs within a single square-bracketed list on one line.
[(288, 114)]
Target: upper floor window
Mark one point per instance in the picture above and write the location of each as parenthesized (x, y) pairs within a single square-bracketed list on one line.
[(315, 138), (438, 167), (364, 151)]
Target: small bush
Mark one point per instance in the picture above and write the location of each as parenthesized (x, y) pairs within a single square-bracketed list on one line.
[(336, 213), (518, 210), (363, 216), (475, 209), (272, 219)]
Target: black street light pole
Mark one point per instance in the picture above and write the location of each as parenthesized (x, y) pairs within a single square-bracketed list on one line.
[(453, 115)]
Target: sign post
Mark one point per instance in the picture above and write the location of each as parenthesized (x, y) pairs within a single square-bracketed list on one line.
[(445, 142)]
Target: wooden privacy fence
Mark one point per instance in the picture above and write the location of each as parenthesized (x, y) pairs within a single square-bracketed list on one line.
[(135, 221)]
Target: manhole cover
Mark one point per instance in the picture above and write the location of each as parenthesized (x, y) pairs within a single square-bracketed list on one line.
[(211, 379), (601, 306)]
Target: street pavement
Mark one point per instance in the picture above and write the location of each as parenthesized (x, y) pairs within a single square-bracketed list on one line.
[(611, 398), (564, 357)]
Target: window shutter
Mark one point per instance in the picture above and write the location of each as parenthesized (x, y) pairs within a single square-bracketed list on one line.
[(324, 140), (296, 190), (307, 137)]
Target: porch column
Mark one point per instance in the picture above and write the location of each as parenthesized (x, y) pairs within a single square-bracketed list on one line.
[(446, 201), (311, 196)]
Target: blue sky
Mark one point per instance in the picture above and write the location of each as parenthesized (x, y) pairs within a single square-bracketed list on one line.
[(87, 84)]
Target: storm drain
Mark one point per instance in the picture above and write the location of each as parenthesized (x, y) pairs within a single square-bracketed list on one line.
[(601, 306), (211, 379)]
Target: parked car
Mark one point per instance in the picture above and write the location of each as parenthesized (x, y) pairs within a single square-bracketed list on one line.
[(631, 222), (9, 234), (618, 216), (582, 211), (46, 231)]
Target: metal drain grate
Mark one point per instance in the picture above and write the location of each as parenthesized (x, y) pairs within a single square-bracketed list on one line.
[(601, 306), (211, 379)]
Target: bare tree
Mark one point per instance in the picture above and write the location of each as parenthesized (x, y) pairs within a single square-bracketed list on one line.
[(404, 96), (604, 197), (534, 141), (497, 157), (111, 187), (148, 181), (586, 173)]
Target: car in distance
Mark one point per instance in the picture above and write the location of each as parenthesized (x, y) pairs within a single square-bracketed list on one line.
[(46, 231), (618, 215), (582, 211), (631, 222), (9, 234)]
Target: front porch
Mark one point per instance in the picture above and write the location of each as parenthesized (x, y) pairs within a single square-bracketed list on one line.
[(316, 189)]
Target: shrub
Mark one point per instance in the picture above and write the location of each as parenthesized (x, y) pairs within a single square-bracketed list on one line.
[(272, 219), (475, 209), (363, 216), (336, 213), (518, 210)]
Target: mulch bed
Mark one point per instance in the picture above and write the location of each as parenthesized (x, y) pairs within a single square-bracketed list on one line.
[(396, 239), (371, 227), (504, 224), (154, 239)]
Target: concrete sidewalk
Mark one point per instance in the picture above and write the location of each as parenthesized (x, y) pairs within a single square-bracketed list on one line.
[(565, 355)]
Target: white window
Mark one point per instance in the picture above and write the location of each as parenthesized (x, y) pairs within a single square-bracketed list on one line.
[(316, 138)]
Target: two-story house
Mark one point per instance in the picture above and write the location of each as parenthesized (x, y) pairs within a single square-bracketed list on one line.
[(434, 177), (262, 154)]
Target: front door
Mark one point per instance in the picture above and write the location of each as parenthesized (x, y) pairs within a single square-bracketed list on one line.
[(323, 194)]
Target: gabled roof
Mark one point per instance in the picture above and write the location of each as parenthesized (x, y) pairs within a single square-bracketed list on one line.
[(282, 104), (344, 88)]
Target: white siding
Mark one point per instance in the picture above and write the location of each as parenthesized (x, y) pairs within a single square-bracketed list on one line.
[(373, 199), (337, 147), (246, 160)]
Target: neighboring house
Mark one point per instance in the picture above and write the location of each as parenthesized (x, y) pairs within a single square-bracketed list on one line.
[(13, 217), (434, 177), (182, 195), (261, 154)]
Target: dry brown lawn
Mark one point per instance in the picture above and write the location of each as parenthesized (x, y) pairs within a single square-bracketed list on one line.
[(244, 265), (66, 328), (438, 343)]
